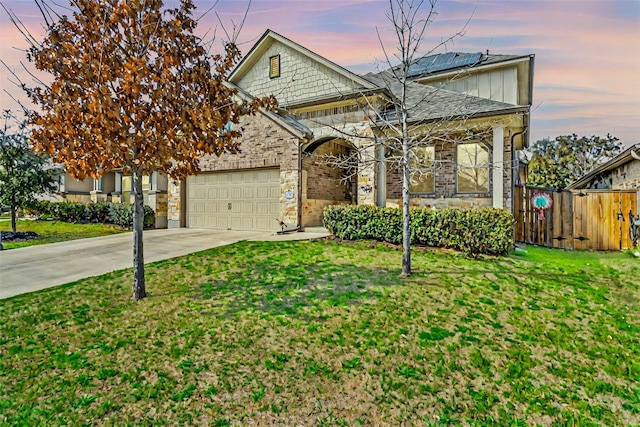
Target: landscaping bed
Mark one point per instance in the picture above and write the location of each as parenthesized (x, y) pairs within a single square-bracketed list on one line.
[(33, 232)]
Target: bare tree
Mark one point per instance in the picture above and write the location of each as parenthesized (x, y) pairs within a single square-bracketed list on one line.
[(406, 117)]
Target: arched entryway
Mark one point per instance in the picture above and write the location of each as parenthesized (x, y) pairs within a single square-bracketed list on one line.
[(329, 177)]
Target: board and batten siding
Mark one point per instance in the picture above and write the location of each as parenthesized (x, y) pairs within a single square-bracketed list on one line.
[(497, 85)]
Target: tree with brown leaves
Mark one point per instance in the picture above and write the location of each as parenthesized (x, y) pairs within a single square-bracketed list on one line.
[(132, 88)]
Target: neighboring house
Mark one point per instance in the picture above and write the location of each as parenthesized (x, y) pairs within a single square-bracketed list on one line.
[(620, 173), (281, 175), (116, 187)]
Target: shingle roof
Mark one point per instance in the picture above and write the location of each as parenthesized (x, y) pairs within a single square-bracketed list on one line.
[(427, 103), (287, 122)]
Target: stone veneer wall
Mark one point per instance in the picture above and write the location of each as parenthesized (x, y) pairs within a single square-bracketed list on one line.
[(264, 144), (624, 177), (445, 195)]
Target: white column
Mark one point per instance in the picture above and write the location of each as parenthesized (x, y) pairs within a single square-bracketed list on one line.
[(153, 182), (498, 166), (381, 179), (118, 182), (97, 184)]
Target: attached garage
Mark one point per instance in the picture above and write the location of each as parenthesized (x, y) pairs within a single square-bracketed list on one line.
[(238, 200)]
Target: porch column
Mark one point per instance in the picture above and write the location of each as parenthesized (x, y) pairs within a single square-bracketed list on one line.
[(116, 196), (381, 178), (366, 177), (96, 194), (97, 184), (153, 182), (498, 166)]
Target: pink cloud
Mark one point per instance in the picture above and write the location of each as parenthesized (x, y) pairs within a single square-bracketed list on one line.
[(587, 52)]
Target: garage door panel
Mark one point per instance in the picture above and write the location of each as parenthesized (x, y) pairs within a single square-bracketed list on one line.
[(262, 192), (247, 223), (248, 193), (274, 209), (265, 224), (243, 200), (236, 193)]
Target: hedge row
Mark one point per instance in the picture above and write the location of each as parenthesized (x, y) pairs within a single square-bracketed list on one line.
[(472, 231), (120, 214)]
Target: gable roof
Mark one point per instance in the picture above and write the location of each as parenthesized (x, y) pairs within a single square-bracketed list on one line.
[(427, 103), (268, 38), (625, 157)]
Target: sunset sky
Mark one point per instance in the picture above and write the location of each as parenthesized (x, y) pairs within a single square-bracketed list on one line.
[(587, 65)]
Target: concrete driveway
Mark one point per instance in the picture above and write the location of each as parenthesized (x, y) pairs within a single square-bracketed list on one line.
[(38, 267)]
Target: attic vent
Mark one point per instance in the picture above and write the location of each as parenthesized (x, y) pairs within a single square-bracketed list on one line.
[(274, 66)]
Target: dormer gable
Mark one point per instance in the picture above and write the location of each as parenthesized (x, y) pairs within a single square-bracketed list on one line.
[(293, 74)]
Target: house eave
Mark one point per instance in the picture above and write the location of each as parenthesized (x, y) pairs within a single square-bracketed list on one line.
[(622, 158)]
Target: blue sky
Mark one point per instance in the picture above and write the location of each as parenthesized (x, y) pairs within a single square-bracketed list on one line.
[(587, 69)]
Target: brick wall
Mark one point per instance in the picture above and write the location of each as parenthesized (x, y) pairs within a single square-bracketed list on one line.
[(263, 144), (325, 181), (626, 176), (445, 179)]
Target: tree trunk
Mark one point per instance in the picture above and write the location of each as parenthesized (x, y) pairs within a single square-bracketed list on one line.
[(406, 217), (14, 214), (139, 290)]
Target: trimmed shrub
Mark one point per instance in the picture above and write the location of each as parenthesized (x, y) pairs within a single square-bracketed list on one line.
[(96, 212), (121, 214), (472, 231)]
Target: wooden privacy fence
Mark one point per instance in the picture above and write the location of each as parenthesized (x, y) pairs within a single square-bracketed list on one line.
[(578, 219)]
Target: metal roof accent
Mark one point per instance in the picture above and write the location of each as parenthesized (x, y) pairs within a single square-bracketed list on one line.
[(443, 62)]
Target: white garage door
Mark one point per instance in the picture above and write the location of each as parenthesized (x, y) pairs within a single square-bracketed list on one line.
[(243, 200)]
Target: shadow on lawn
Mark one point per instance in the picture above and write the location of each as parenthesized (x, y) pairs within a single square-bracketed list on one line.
[(302, 290)]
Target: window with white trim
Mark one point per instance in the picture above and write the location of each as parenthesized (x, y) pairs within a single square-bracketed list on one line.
[(472, 168)]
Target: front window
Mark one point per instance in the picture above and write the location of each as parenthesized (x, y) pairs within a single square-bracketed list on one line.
[(422, 166), (128, 190), (473, 168)]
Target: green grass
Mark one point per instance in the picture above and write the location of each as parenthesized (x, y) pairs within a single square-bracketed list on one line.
[(56, 231), (322, 333)]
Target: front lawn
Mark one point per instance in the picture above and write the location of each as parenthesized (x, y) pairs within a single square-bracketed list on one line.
[(56, 231), (323, 333)]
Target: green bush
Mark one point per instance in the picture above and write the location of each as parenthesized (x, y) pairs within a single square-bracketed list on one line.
[(102, 212), (97, 212), (121, 214), (472, 231)]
